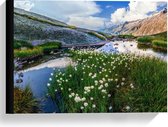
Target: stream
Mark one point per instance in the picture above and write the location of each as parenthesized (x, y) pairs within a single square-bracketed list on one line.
[(37, 77)]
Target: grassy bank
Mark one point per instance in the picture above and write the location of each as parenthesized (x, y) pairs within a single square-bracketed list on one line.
[(157, 42), (110, 83), (26, 50), (24, 102)]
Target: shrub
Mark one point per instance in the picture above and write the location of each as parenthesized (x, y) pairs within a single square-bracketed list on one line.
[(28, 52), (50, 46), (145, 39), (97, 35), (159, 43), (20, 43), (24, 102)]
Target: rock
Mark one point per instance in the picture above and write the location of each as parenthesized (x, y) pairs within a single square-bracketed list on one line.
[(19, 80), (20, 74)]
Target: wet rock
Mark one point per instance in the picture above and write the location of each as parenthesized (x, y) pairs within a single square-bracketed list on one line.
[(20, 74), (19, 80)]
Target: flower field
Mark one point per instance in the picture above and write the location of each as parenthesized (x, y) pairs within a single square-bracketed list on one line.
[(110, 83)]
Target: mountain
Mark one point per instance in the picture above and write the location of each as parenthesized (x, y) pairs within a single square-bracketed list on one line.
[(38, 29), (152, 25)]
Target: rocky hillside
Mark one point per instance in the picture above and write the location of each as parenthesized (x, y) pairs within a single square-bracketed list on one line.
[(148, 26), (37, 29)]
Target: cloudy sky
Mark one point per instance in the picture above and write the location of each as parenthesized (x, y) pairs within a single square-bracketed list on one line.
[(91, 14)]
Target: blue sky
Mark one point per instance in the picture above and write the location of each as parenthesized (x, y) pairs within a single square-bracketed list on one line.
[(109, 7), (92, 14)]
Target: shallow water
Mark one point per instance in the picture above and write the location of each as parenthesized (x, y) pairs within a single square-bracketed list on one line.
[(131, 47), (37, 78)]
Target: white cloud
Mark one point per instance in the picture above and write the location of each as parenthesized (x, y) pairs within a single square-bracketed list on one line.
[(136, 10), (118, 15), (79, 13), (87, 22), (24, 4)]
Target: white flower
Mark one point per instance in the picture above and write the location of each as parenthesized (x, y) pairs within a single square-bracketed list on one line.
[(109, 95), (122, 83), (83, 99), (48, 84), (70, 96), (92, 87), (50, 79), (85, 104), (127, 107), (85, 92), (96, 81), (77, 99), (69, 89), (52, 74), (82, 107), (61, 88), (55, 90), (104, 79), (101, 81), (91, 98), (103, 96), (116, 79), (117, 86), (123, 79), (110, 108), (93, 106), (73, 94), (103, 91), (90, 74), (106, 84), (132, 87), (70, 75)]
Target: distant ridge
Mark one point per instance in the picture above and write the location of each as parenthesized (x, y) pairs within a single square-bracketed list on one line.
[(148, 26)]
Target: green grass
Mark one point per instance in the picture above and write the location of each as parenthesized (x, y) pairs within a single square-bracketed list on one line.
[(45, 48), (110, 83), (28, 53), (159, 43), (161, 36), (72, 27), (50, 46), (126, 36), (145, 39), (18, 44), (97, 35), (24, 101)]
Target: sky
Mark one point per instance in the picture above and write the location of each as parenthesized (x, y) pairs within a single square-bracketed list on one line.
[(92, 14)]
